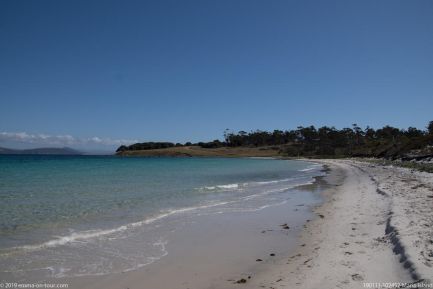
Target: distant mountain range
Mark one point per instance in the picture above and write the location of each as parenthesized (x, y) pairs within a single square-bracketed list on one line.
[(40, 151)]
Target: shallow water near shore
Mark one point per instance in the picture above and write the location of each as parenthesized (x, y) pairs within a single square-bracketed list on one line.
[(65, 217)]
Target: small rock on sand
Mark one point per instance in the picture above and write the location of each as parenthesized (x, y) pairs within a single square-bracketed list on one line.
[(357, 277), (285, 226)]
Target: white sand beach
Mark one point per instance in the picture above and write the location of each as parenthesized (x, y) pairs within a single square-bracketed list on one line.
[(374, 227)]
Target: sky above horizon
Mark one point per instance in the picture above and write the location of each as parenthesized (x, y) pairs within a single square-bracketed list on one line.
[(95, 74)]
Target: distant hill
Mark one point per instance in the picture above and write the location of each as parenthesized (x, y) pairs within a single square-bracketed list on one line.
[(40, 151)]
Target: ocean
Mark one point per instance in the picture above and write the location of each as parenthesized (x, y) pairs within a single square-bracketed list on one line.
[(65, 216)]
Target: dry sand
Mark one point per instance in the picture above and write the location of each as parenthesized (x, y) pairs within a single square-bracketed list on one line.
[(375, 226)]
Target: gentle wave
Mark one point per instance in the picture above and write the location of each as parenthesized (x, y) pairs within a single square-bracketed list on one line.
[(62, 272), (243, 185), (98, 233), (313, 167), (222, 187), (84, 235), (273, 182)]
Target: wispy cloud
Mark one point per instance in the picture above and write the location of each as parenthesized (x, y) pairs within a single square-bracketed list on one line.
[(60, 140)]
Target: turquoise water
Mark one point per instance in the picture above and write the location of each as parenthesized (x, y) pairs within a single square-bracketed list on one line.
[(57, 210)]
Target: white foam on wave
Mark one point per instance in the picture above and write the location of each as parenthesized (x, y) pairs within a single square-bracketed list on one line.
[(307, 170), (311, 168), (241, 185), (84, 235), (221, 187)]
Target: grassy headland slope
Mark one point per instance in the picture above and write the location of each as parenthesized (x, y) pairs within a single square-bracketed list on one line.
[(196, 151)]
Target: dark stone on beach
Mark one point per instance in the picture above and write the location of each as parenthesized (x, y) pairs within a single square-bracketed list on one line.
[(259, 260), (272, 254), (241, 281), (268, 230), (321, 216), (357, 277)]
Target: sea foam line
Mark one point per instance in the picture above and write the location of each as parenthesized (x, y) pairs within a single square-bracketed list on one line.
[(312, 167), (228, 186), (63, 240), (242, 185)]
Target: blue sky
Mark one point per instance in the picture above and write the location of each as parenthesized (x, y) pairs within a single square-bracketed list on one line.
[(104, 72)]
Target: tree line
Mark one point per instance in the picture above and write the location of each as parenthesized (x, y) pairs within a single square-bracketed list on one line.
[(388, 141)]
